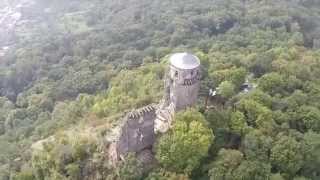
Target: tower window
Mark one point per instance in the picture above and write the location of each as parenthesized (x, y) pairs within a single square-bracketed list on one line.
[(192, 73), (176, 74)]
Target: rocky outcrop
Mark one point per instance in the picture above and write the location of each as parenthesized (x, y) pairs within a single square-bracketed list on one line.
[(166, 110), (164, 119)]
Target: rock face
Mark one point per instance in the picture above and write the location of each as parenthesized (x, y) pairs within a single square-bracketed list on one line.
[(164, 118), (137, 131)]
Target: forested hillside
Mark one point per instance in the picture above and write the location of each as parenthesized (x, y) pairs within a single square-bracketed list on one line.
[(69, 70)]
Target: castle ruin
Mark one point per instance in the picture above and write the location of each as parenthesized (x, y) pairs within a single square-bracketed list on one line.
[(137, 131)]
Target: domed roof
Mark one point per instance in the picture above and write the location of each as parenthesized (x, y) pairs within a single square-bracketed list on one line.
[(184, 61)]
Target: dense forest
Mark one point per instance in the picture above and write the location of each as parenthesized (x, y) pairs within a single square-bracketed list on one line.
[(73, 68)]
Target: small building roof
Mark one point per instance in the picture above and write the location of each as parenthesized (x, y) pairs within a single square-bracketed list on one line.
[(184, 61)]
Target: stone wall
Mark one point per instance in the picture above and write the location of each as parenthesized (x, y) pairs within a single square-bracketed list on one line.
[(184, 87), (136, 133)]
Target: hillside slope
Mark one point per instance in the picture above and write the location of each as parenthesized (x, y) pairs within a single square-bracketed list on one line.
[(70, 66)]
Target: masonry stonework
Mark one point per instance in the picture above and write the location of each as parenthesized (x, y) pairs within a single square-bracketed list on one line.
[(184, 80), (138, 129)]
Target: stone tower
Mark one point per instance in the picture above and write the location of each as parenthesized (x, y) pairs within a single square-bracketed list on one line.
[(184, 80), (137, 131)]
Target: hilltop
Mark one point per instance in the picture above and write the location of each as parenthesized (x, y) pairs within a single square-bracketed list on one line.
[(71, 70)]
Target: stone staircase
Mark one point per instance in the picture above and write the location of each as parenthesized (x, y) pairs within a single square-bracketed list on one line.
[(164, 118)]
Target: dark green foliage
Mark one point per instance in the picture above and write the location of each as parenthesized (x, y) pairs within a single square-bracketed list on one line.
[(166, 175), (272, 83), (287, 155), (129, 169), (218, 119), (227, 161), (312, 156), (310, 117), (253, 170), (230, 164), (257, 146)]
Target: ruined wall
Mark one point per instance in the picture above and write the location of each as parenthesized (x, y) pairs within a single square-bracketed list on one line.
[(136, 133)]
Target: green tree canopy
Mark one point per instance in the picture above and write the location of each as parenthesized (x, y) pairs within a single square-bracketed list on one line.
[(186, 144), (287, 155), (226, 89)]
